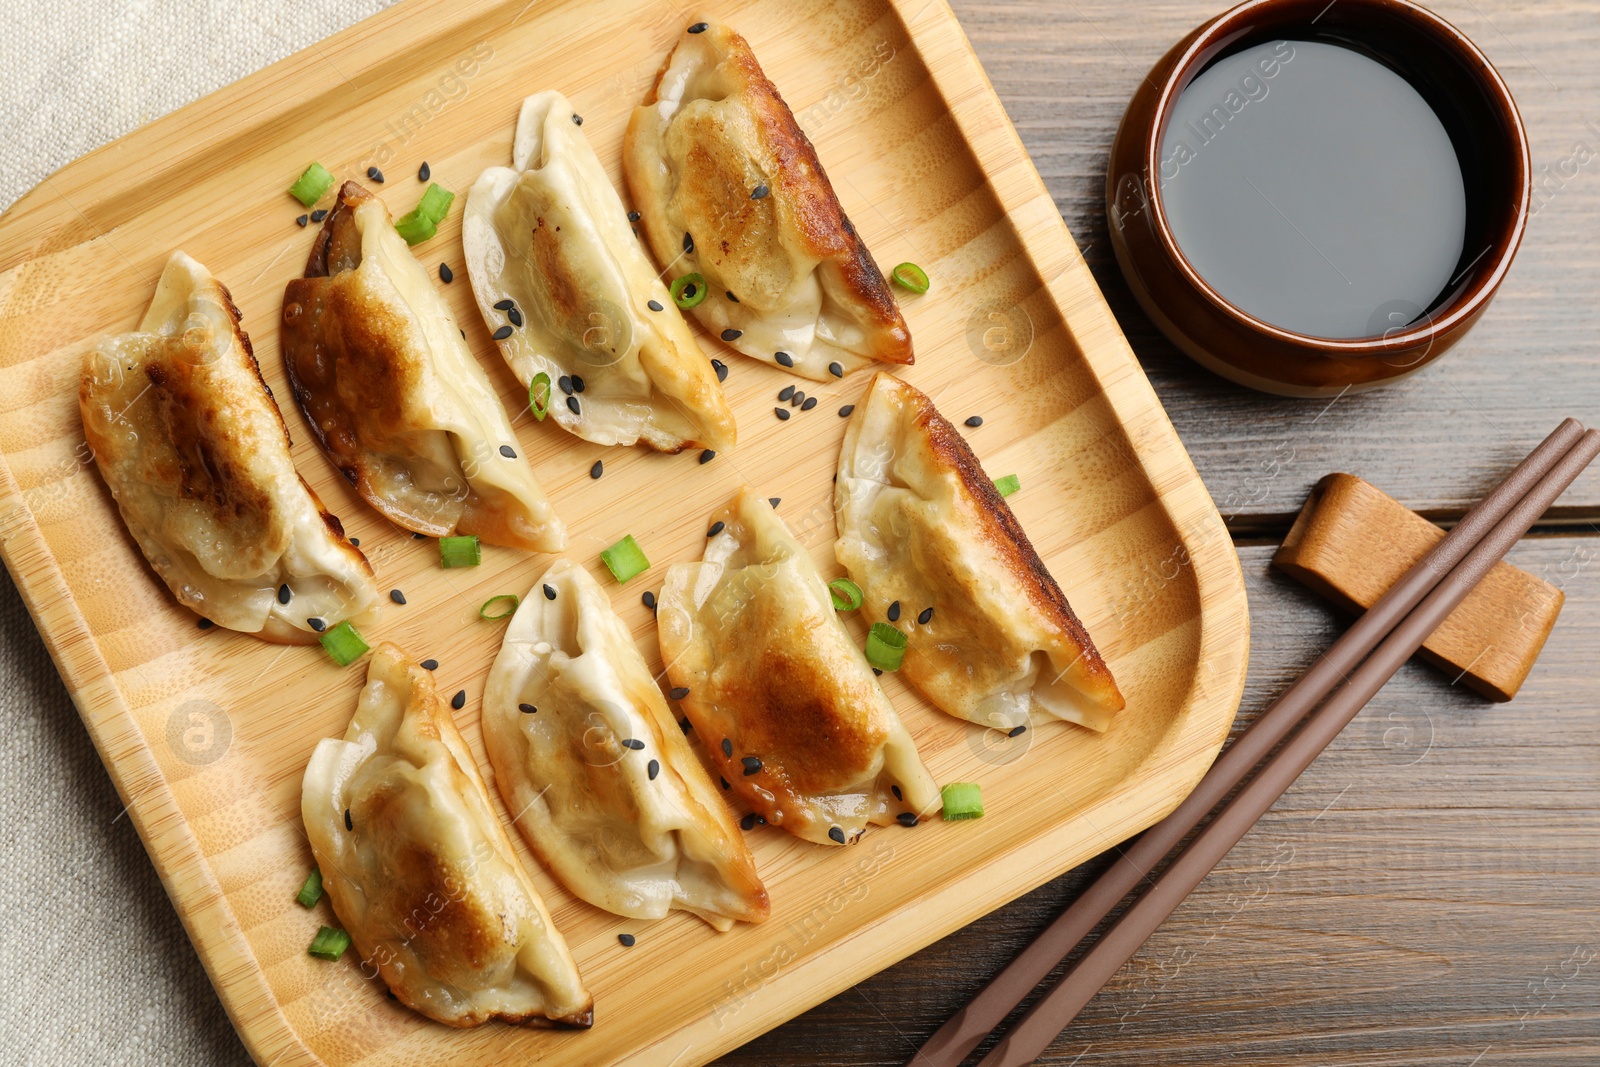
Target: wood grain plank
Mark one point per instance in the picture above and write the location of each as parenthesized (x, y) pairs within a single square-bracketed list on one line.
[(1424, 893), (1436, 441)]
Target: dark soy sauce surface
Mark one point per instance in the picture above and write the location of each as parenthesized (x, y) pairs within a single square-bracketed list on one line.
[(1313, 188)]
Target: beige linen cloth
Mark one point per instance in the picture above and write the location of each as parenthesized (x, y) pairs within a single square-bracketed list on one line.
[(94, 966)]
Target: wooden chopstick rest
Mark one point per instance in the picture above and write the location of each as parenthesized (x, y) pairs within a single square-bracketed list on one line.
[(1352, 541)]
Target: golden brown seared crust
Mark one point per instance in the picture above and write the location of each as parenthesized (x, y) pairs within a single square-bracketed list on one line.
[(1005, 535)]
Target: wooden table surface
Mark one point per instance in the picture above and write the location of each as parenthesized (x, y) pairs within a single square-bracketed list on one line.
[(1429, 891)]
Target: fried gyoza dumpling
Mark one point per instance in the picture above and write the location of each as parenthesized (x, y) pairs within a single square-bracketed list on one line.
[(729, 187), (196, 455), (921, 525), (603, 781), (784, 700), (419, 868), (550, 235), (394, 396)]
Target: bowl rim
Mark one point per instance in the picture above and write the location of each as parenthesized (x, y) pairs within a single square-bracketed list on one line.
[(1202, 45)]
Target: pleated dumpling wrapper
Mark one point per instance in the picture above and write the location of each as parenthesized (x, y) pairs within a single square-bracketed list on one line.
[(196, 454), (780, 694), (605, 786), (921, 525), (728, 187), (419, 868), (550, 235), (396, 399)]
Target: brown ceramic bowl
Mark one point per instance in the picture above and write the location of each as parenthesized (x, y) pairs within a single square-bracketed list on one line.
[(1477, 111)]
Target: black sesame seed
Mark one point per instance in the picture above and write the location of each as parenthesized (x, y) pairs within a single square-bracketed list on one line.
[(688, 243), (716, 528), (730, 296), (375, 174), (424, 172), (707, 456), (721, 368), (284, 593), (896, 791), (786, 392), (633, 744), (784, 359), (758, 192), (844, 412), (782, 413), (798, 398), (597, 470), (508, 452), (653, 769), (836, 834), (446, 275), (1016, 731), (723, 780), (355, 542), (319, 214), (699, 27), (564, 383), (349, 823), (894, 611), (678, 693), (689, 291), (836, 369), (748, 822), (648, 599), (527, 709), (549, 591), (577, 384), (430, 664), (633, 216), (459, 701), (926, 616), (774, 500), (727, 747), (683, 724), (907, 818), (876, 671), (502, 333), (397, 596), (732, 335), (627, 940), (302, 220), (810, 403), (655, 305), (752, 765), (577, 120), (573, 405), (975, 421), (505, 305), (205, 624), (514, 316), (316, 624)]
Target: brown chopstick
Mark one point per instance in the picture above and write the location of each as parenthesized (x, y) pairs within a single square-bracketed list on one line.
[(950, 1044)]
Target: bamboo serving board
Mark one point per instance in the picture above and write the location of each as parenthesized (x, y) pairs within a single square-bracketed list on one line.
[(207, 733)]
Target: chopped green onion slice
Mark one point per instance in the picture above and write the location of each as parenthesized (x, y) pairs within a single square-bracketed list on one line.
[(510, 600), (311, 892), (415, 228), (329, 944), (460, 551), (911, 276), (344, 644), (625, 559), (962, 800), (310, 186), (846, 594), (435, 203), (886, 646), (688, 291), (1007, 485), (539, 395)]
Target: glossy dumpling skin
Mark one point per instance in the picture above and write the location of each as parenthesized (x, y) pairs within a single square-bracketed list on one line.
[(712, 133), (919, 522), (550, 233), (634, 828), (394, 396), (195, 452), (751, 632), (423, 877)]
